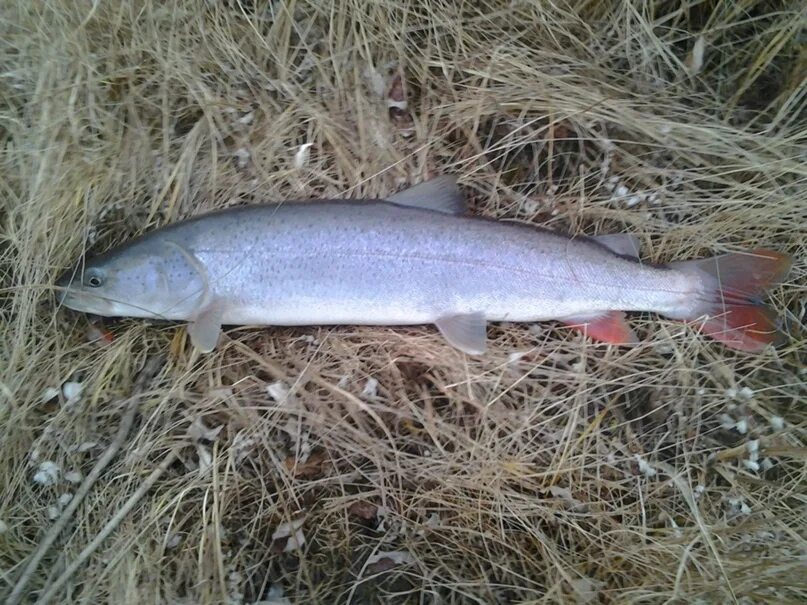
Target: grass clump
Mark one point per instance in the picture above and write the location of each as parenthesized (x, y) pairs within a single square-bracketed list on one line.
[(365, 464)]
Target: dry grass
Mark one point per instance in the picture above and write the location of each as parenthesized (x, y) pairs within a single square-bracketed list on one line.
[(573, 473)]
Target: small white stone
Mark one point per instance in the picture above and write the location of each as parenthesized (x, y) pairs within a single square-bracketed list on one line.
[(73, 477), (751, 465), (65, 499), (371, 388), (766, 464), (48, 394), (621, 191), (433, 521), (742, 426), (278, 391), (53, 512), (745, 509), (294, 531), (739, 506), (173, 541), (701, 391), (561, 492), (644, 467), (302, 155), (205, 459), (632, 201), (3, 527), (398, 557), (295, 542), (695, 59), (746, 393), (286, 529), (530, 207), (536, 330), (243, 155), (753, 446), (777, 423), (515, 357), (726, 421), (48, 473), (699, 490), (72, 392), (246, 118)]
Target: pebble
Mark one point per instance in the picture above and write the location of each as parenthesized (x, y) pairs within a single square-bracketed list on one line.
[(48, 473)]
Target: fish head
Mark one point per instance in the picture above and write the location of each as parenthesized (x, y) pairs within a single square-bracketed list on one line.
[(149, 278)]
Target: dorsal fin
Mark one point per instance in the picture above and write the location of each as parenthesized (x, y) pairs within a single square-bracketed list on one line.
[(624, 244), (440, 194)]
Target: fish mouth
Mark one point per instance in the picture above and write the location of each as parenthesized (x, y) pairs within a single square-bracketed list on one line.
[(82, 302), (70, 293), (62, 287)]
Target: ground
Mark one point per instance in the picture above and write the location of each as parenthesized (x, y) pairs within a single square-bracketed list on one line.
[(363, 465)]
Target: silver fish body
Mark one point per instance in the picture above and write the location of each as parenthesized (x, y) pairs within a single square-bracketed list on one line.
[(378, 263), (374, 262)]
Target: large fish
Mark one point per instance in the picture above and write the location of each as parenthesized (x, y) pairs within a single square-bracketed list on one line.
[(414, 258)]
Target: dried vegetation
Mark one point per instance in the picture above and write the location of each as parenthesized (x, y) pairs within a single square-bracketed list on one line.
[(366, 465)]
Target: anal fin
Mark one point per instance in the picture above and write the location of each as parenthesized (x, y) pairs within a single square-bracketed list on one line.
[(611, 327)]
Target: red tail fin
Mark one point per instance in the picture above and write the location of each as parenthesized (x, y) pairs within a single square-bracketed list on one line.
[(734, 283)]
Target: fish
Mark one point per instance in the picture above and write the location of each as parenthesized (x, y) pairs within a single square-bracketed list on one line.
[(415, 257)]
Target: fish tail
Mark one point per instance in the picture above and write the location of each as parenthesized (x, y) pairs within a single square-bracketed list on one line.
[(733, 284)]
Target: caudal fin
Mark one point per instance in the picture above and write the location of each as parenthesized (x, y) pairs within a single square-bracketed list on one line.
[(733, 286)]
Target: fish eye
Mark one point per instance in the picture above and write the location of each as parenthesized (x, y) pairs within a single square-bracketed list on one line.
[(94, 280)]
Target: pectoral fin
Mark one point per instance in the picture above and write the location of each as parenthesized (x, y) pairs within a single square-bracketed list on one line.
[(467, 332), (611, 327), (205, 328)]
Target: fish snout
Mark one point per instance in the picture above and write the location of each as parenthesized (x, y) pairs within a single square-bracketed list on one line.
[(65, 287)]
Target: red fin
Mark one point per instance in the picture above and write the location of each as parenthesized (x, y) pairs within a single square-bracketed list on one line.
[(733, 314), (612, 328), (745, 327)]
